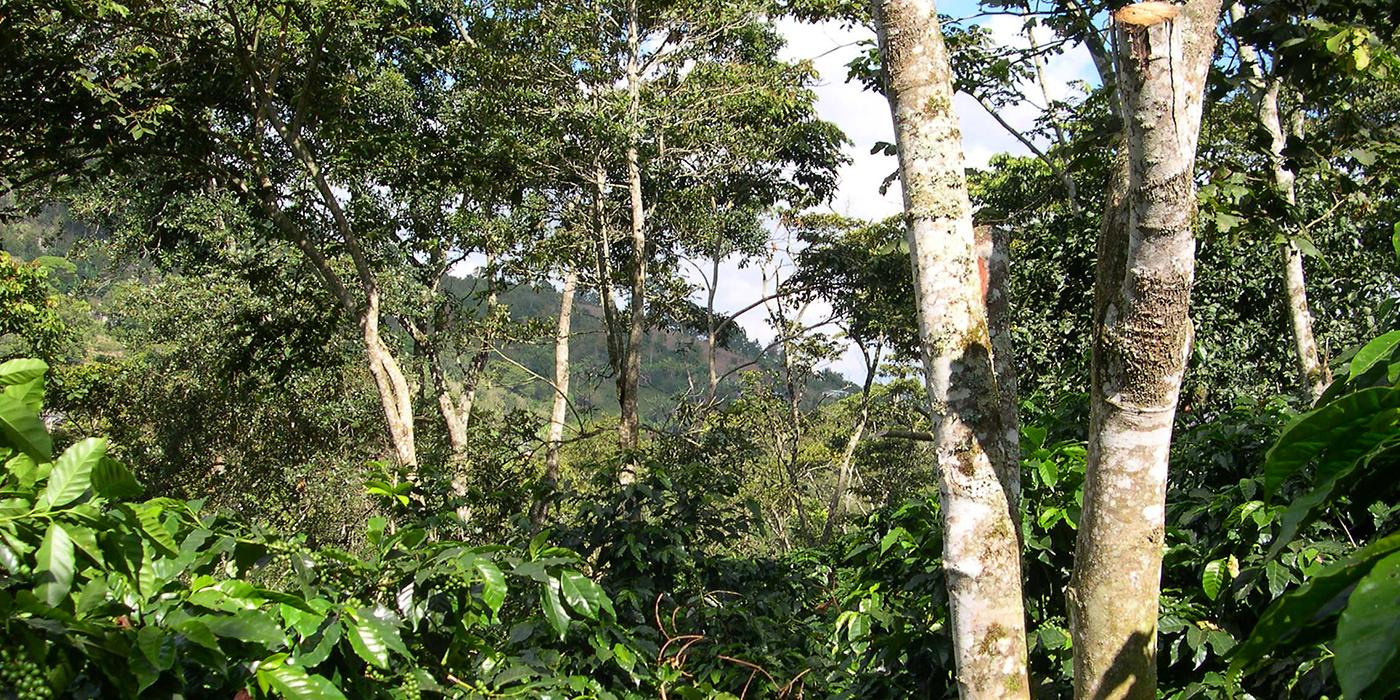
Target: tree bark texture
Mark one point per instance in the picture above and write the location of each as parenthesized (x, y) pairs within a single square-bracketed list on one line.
[(981, 556), (1142, 340)]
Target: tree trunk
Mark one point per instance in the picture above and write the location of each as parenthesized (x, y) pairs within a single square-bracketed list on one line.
[(560, 408), (456, 429), (1312, 370), (994, 256), (629, 380), (981, 556), (712, 329), (1142, 339), (394, 394), (843, 470)]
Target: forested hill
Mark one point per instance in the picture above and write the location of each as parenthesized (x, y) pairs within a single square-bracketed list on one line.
[(673, 359), (79, 260)]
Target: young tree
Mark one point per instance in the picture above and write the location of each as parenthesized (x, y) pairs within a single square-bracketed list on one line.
[(976, 455), (1142, 339)]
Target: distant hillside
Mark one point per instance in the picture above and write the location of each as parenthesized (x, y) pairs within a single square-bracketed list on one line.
[(673, 362)]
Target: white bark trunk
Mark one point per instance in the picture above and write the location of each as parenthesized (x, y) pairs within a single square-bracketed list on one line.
[(394, 394), (1312, 370), (1142, 339), (559, 410), (629, 380), (981, 556)]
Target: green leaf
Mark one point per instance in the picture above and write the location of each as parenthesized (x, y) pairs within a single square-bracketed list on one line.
[(898, 534), (21, 371), (493, 590), (553, 608), (1373, 352), (1212, 578), (252, 626), (25, 470), (625, 657), (30, 393), (294, 683), (318, 647), (23, 429), (1368, 632), (148, 519), (373, 634), (583, 595), (111, 479), (54, 570), (1306, 507), (156, 646), (1337, 423), (86, 542), (72, 471)]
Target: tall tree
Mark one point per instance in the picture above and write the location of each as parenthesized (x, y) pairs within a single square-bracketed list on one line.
[(977, 461), (704, 127), (1142, 338), (1265, 88)]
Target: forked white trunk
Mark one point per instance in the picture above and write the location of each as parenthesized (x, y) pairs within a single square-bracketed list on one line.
[(976, 470), (1142, 339)]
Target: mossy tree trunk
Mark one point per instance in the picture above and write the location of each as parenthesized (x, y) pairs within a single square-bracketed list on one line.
[(1142, 338), (976, 456)]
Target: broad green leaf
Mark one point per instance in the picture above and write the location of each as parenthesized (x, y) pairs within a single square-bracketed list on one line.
[(21, 371), (583, 595), (86, 541), (1305, 507), (898, 534), (30, 393), (1278, 578), (1368, 632), (1373, 352), (72, 471), (553, 608), (157, 647), (25, 470), (1312, 603), (111, 479), (199, 633), (148, 519), (294, 683), (54, 568), (493, 590), (23, 430), (625, 657), (1335, 424), (253, 626), (318, 646), (373, 634), (1212, 578)]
